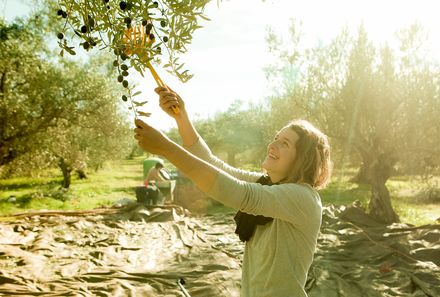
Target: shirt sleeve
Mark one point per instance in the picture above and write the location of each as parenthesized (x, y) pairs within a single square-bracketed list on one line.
[(295, 203), (202, 150)]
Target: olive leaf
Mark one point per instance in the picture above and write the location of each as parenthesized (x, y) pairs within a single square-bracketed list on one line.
[(145, 114), (140, 103)]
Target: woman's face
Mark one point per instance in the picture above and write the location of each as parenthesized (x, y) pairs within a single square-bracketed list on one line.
[(281, 154)]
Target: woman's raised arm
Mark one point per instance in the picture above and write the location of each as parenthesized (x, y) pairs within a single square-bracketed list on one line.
[(192, 141)]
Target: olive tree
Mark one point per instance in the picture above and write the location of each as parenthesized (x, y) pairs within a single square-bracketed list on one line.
[(369, 99), (64, 114), (139, 33)]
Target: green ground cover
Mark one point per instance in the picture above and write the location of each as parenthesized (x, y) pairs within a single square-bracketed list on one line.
[(117, 179)]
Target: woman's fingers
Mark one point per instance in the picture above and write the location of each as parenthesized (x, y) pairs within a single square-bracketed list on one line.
[(168, 99), (141, 124), (158, 90), (168, 106)]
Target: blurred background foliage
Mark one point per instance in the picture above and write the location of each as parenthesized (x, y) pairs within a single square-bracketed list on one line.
[(379, 105)]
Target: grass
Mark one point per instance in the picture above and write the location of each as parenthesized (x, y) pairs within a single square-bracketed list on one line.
[(117, 180), (407, 197)]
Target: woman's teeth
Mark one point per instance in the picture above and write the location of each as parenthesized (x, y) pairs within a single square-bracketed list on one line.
[(273, 157)]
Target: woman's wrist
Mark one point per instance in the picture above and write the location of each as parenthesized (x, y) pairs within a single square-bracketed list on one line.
[(182, 118)]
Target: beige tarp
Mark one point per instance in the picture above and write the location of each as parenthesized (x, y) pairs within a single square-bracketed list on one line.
[(139, 251)]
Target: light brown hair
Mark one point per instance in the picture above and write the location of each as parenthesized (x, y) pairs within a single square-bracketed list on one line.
[(312, 164)]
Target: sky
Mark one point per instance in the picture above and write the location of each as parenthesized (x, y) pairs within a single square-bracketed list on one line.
[(228, 55)]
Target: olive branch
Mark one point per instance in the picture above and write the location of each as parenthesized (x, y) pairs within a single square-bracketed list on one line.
[(138, 32)]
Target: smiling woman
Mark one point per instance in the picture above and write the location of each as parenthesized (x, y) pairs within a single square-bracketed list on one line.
[(280, 247), (300, 153)]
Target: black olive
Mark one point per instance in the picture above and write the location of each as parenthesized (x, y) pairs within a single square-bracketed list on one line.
[(129, 5), (64, 15), (125, 73), (86, 45), (124, 67), (116, 51), (120, 78), (163, 23), (106, 1), (125, 83), (124, 56), (165, 39), (127, 20), (94, 43), (151, 36), (122, 5), (84, 29), (60, 12), (124, 98), (149, 26), (115, 63), (144, 23), (155, 4), (60, 35), (108, 7)]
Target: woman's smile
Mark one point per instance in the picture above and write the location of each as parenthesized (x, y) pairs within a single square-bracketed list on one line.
[(273, 156)]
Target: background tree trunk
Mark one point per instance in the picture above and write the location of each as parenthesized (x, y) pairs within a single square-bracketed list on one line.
[(361, 176), (380, 204), (377, 175), (81, 174), (66, 169)]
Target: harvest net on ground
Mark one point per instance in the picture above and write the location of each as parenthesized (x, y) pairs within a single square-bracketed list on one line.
[(143, 251)]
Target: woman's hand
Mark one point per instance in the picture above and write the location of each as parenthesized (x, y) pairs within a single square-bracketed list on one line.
[(152, 140), (169, 98)]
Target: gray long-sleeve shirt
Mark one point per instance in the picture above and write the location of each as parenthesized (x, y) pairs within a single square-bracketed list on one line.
[(279, 254)]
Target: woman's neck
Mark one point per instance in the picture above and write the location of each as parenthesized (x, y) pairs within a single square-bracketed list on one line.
[(274, 177)]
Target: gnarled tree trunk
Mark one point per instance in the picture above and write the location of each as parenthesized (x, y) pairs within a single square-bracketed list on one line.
[(376, 169), (67, 170), (361, 176)]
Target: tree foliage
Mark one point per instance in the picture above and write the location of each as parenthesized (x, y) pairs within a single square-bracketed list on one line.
[(61, 113), (138, 32), (378, 103)]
